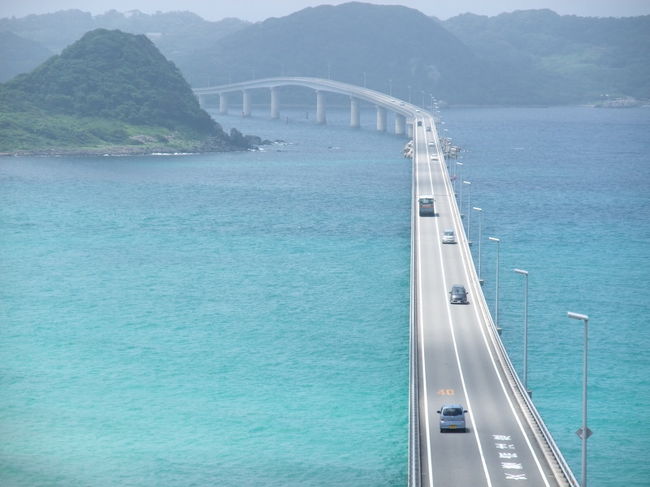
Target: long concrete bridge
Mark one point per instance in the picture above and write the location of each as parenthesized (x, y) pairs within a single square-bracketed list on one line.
[(456, 353), (383, 103)]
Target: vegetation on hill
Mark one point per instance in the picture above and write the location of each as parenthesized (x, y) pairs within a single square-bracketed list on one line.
[(108, 88)]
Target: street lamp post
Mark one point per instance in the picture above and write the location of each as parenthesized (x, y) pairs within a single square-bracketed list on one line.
[(390, 87), (496, 299), (459, 166), (525, 274), (480, 237), (584, 432), (469, 204)]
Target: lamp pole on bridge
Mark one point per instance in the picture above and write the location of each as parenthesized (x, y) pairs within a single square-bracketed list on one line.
[(496, 299), (457, 176), (525, 274), (480, 237), (469, 204), (584, 432), (390, 87)]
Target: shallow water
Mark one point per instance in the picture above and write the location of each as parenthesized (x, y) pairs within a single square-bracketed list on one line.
[(242, 319)]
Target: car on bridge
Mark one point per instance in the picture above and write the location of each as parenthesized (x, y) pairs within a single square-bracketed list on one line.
[(458, 294), (452, 418), (426, 205), (448, 237)]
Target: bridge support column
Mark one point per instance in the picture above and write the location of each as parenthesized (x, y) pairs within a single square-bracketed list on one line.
[(320, 108), (381, 119), (400, 124), (223, 104), (246, 103), (410, 129), (201, 101), (275, 103), (355, 119)]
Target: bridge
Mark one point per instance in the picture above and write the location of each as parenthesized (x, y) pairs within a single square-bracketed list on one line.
[(456, 353)]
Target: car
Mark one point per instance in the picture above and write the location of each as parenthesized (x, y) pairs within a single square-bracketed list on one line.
[(448, 237), (452, 418), (419, 123), (429, 129), (458, 294), (427, 205)]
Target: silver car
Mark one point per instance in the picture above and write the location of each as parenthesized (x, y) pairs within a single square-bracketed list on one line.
[(448, 237), (452, 418), (458, 294)]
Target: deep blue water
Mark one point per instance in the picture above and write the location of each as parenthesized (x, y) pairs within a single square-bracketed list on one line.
[(242, 319)]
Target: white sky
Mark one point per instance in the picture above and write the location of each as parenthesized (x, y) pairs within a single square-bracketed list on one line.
[(255, 10)]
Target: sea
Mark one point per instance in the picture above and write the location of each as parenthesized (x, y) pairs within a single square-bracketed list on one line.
[(241, 319)]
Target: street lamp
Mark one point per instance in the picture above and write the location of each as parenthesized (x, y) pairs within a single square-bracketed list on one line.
[(459, 166), (469, 204), (496, 299), (480, 237), (525, 274), (390, 87), (583, 432)]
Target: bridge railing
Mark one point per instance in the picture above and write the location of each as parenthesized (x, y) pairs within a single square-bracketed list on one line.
[(414, 467), (560, 467)]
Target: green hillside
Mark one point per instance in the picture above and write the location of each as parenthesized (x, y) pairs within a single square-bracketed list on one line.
[(108, 88), (578, 58)]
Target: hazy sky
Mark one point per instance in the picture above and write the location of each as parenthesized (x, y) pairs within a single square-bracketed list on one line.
[(255, 10)]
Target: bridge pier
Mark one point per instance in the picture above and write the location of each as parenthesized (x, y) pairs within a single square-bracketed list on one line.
[(246, 103), (201, 101), (320, 108), (355, 119), (400, 124), (410, 129), (275, 103), (381, 119), (223, 104)]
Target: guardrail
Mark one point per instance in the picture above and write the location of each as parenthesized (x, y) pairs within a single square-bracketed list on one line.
[(414, 468)]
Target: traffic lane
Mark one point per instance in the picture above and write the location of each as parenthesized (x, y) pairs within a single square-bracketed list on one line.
[(505, 445), (444, 377)]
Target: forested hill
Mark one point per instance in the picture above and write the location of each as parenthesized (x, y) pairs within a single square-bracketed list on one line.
[(107, 76), (115, 75)]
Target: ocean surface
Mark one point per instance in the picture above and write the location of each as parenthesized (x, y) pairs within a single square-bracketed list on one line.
[(242, 319)]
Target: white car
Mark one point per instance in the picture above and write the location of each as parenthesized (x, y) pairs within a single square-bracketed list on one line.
[(448, 237)]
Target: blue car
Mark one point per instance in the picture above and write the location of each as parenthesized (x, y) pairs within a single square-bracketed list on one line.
[(452, 418)]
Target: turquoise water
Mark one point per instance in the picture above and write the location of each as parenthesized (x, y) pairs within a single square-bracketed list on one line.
[(242, 319)]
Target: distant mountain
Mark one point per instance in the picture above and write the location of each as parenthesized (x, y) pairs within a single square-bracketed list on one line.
[(524, 57), (175, 33), (19, 55), (564, 59), (385, 45), (116, 84)]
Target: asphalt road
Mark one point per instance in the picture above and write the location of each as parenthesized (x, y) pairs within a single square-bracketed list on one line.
[(458, 363)]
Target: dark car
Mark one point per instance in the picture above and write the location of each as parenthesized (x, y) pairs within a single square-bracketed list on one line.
[(458, 294), (452, 418), (426, 204)]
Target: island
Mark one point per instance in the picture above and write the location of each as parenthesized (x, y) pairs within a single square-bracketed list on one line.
[(108, 93)]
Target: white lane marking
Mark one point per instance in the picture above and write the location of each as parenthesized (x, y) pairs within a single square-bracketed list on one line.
[(453, 335), (466, 260), (421, 326)]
